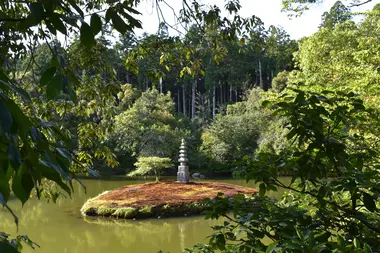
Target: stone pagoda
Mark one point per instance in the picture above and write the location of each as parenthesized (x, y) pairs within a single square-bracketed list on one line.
[(183, 175)]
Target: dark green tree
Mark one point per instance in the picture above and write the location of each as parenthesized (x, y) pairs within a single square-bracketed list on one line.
[(337, 14)]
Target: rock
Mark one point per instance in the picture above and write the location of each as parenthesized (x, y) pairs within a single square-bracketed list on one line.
[(198, 176)]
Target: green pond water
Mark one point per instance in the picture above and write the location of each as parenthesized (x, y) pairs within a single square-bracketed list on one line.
[(60, 228)]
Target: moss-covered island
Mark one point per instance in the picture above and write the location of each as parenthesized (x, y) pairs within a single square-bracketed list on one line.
[(159, 199)]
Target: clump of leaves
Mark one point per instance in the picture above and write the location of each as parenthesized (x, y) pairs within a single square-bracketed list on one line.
[(151, 165), (9, 245), (333, 203)]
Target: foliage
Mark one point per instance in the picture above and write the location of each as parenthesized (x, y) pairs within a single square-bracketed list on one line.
[(152, 164), (298, 7), (242, 131), (149, 127), (352, 54), (337, 14), (15, 245), (334, 188), (280, 82), (58, 102), (273, 137)]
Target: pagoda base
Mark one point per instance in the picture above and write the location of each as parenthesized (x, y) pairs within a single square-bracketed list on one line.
[(183, 175)]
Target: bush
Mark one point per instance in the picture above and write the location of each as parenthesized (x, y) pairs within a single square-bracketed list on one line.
[(321, 213), (151, 165), (280, 82)]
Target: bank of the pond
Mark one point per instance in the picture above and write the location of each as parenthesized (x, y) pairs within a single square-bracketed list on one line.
[(162, 199)]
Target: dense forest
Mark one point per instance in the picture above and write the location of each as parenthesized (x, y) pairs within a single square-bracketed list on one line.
[(153, 101), (249, 101)]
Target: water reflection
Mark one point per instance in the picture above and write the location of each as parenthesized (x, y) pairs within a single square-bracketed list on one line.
[(61, 228)]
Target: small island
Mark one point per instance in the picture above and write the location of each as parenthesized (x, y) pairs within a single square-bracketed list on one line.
[(159, 199)]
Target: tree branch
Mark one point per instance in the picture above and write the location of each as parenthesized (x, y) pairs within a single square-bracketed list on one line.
[(12, 19), (360, 4)]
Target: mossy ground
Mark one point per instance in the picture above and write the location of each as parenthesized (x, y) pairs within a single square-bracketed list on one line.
[(163, 199)]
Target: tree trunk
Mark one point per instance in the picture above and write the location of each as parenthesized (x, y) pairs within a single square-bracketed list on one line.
[(184, 100), (236, 95), (230, 93), (189, 106), (221, 95), (178, 101), (213, 101), (261, 76), (193, 91), (160, 84), (208, 104), (157, 174), (272, 76)]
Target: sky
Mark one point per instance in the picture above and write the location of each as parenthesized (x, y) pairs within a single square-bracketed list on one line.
[(269, 11)]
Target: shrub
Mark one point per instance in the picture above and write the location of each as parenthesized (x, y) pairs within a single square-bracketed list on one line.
[(148, 165)]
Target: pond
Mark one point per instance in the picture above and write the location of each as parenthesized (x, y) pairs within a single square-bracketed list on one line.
[(60, 228)]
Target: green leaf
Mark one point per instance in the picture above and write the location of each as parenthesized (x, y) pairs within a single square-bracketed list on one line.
[(356, 243), (58, 24), (4, 188), (96, 23), (72, 93), (367, 249), (37, 11), (53, 175), (93, 173), (51, 28), (76, 7), (130, 9), (6, 84), (266, 103), (118, 23), (14, 156), (262, 190), (132, 21), (369, 202), (54, 87), (23, 122), (73, 78), (65, 154), (292, 133), (109, 14), (22, 185), (6, 119), (220, 241), (7, 248), (86, 35), (47, 75), (271, 247)]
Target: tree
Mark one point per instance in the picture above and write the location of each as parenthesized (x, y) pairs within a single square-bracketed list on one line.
[(280, 82), (149, 127), (333, 203), (342, 58), (236, 134), (33, 149), (337, 14), (152, 164), (332, 155), (298, 7)]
